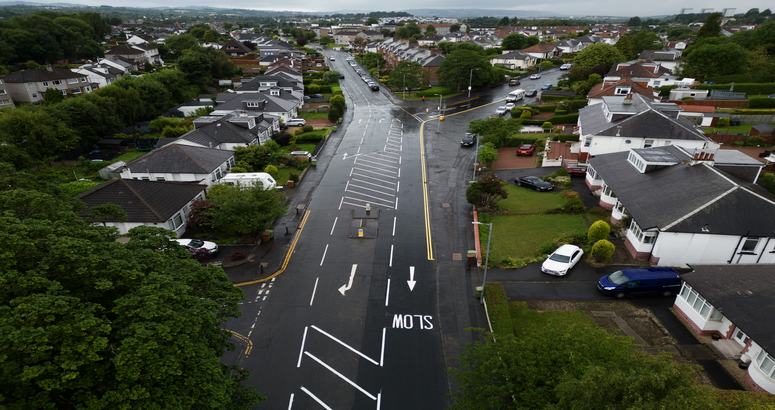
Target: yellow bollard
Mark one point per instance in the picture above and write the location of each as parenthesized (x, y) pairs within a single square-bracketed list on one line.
[(441, 118)]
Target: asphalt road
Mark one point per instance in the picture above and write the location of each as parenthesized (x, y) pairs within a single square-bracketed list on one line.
[(374, 321)]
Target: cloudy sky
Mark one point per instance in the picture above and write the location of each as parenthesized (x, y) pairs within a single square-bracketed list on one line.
[(554, 7)]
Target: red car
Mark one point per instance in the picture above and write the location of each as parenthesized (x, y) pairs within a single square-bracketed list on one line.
[(526, 149), (577, 169)]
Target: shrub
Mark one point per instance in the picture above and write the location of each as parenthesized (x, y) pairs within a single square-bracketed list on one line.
[(525, 115), (309, 138), (272, 170), (307, 128), (560, 112), (599, 230), (572, 206), (768, 181), (498, 308), (761, 103), (302, 165), (562, 172), (547, 125), (602, 250), (298, 132), (237, 255), (294, 176)]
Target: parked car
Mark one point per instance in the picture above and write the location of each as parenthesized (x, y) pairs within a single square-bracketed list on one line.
[(638, 281), (307, 98), (562, 260), (514, 81), (468, 140), (332, 58), (533, 182), (535, 76), (546, 87), (526, 149), (316, 96), (566, 67), (510, 105), (296, 122), (198, 243), (374, 86), (341, 76), (531, 93), (283, 126), (577, 169), (501, 110)]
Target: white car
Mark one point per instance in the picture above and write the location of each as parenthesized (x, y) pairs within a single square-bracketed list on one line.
[(198, 243), (566, 67), (501, 110), (296, 122), (535, 76), (331, 59), (562, 260), (510, 105)]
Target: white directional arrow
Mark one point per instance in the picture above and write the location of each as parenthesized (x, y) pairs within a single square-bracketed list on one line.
[(349, 284), (411, 280), (344, 157)]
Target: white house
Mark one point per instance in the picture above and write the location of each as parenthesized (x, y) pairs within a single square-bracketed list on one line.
[(181, 162), (688, 206), (146, 203), (226, 130), (513, 60), (736, 303)]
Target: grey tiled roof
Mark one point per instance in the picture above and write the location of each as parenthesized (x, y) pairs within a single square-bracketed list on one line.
[(143, 201), (688, 198), (745, 294), (219, 132), (181, 159), (41, 74)]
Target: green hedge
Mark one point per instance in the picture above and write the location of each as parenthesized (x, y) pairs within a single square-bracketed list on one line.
[(748, 88), (579, 104), (557, 119), (435, 90), (309, 137), (565, 137), (560, 112), (563, 97), (743, 111), (515, 141), (307, 81), (761, 103), (498, 309), (321, 89)]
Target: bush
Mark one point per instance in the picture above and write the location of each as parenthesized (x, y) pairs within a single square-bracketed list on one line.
[(761, 103), (571, 206), (272, 170), (599, 230), (602, 251), (498, 309), (560, 112), (309, 138), (547, 125), (298, 132), (307, 128), (525, 115), (302, 165), (429, 93), (294, 176), (768, 181)]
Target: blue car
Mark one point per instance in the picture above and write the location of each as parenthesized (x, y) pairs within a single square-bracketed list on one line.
[(546, 86)]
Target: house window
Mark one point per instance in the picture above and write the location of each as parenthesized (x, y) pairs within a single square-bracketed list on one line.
[(750, 245), (145, 178), (657, 83), (30, 85), (75, 90), (57, 82), (160, 179), (619, 207), (64, 92), (587, 141), (251, 104), (83, 79), (741, 337), (699, 304), (622, 91), (45, 83), (608, 192), (2, 92), (176, 221), (34, 95), (648, 143), (72, 80), (5, 102), (766, 363)]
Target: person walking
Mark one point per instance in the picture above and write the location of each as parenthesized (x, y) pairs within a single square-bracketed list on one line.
[(423, 98)]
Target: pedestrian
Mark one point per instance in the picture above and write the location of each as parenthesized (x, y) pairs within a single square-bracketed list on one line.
[(423, 98)]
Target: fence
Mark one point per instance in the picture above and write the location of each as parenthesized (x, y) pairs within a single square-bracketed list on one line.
[(729, 139), (716, 103)]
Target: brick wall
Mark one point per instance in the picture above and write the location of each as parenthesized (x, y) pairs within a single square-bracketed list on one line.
[(638, 256)]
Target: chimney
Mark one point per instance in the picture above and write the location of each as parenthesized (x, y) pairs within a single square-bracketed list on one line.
[(628, 99), (702, 156), (49, 68)]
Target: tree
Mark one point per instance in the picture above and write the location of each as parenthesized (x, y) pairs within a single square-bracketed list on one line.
[(454, 28), (495, 130), (338, 101), (408, 31), (236, 209), (326, 40), (643, 40), (487, 191), (487, 153), (635, 22), (409, 75), (602, 250), (710, 60), (546, 64), (84, 317), (52, 96), (503, 22), (599, 230), (36, 132), (302, 41), (196, 66), (227, 26), (330, 77), (455, 70), (514, 41), (178, 44), (430, 30), (370, 21), (624, 46), (712, 26), (108, 212), (599, 54)]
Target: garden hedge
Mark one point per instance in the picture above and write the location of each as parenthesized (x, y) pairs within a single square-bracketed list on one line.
[(516, 140), (563, 97), (748, 88), (498, 309), (761, 103), (321, 89), (557, 119)]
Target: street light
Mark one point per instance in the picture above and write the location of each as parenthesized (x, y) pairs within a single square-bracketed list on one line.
[(487, 258), (470, 77), (404, 85), (440, 97)]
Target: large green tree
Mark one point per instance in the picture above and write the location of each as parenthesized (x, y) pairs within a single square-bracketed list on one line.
[(711, 60), (712, 26), (36, 132), (624, 46), (235, 209), (91, 323), (455, 70), (598, 55), (515, 41), (643, 40), (495, 130), (409, 75), (409, 30)]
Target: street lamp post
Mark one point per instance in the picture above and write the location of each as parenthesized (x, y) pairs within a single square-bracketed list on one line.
[(440, 99), (487, 258), (404, 85), (470, 78)]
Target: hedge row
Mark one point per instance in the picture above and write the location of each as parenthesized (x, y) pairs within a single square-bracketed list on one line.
[(563, 97), (748, 88), (515, 141), (761, 103), (309, 138), (743, 111), (565, 137), (320, 89), (498, 309), (557, 119), (435, 90)]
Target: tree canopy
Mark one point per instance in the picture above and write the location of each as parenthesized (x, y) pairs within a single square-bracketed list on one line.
[(409, 74), (599, 54), (455, 70), (712, 26), (711, 60), (238, 209), (89, 322)]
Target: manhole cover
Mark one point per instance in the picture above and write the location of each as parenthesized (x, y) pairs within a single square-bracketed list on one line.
[(445, 204), (457, 256)]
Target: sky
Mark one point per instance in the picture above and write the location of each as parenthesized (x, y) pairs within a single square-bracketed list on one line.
[(553, 7)]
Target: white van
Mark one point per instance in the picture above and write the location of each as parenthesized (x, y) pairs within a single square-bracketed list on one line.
[(248, 179), (516, 95)]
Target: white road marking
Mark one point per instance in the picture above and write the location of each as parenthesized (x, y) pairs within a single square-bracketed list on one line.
[(349, 284), (397, 185), (382, 353), (303, 341), (341, 376), (394, 226), (290, 403), (379, 399), (340, 203), (372, 190), (344, 344), (374, 178), (347, 186), (372, 197), (391, 255), (324, 252), (385, 149), (351, 171), (374, 172), (411, 282), (361, 140), (396, 207), (401, 148), (399, 160), (320, 402), (313, 291), (332, 228), (399, 172), (371, 183), (359, 150), (387, 293)]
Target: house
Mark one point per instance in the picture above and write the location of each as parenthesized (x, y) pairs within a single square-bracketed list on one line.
[(623, 87), (235, 48), (147, 203), (513, 60), (345, 37), (678, 94), (259, 103), (181, 162), (5, 97), (543, 50), (150, 53), (129, 53), (430, 40), (649, 74), (736, 303), (688, 206), (569, 46), (634, 121), (370, 35), (227, 129), (100, 75), (665, 58), (28, 86)]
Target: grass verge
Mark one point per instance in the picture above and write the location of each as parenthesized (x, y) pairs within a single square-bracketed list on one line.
[(523, 201), (520, 237)]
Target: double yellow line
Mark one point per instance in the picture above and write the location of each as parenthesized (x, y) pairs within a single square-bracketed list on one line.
[(428, 233), (287, 256)]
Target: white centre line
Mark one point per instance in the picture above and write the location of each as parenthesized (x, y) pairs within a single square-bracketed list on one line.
[(397, 185), (324, 255), (361, 140), (387, 293), (399, 160), (385, 149), (332, 228), (340, 203), (290, 403), (391, 256), (399, 170), (347, 186), (351, 171), (382, 354), (303, 340), (394, 226), (313, 291), (359, 150), (396, 208), (401, 148)]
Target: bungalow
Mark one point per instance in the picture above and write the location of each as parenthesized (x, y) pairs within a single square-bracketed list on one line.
[(688, 206), (147, 203), (181, 162), (736, 303), (235, 48), (623, 87), (226, 129), (513, 60), (543, 50)]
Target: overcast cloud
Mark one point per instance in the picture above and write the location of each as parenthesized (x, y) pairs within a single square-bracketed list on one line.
[(552, 7)]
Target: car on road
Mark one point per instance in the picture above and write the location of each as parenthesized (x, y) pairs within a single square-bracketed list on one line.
[(535, 76), (468, 140), (510, 105), (562, 260), (316, 96), (296, 122), (198, 243), (332, 59), (526, 149), (501, 110), (546, 87), (577, 169), (374, 86), (514, 81), (531, 93), (341, 76), (533, 182), (566, 67)]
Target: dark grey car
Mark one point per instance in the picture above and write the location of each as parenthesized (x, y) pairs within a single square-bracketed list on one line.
[(533, 182)]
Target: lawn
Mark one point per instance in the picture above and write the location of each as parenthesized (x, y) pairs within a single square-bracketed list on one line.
[(523, 201), (737, 129), (131, 155), (315, 116), (299, 147), (520, 236)]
